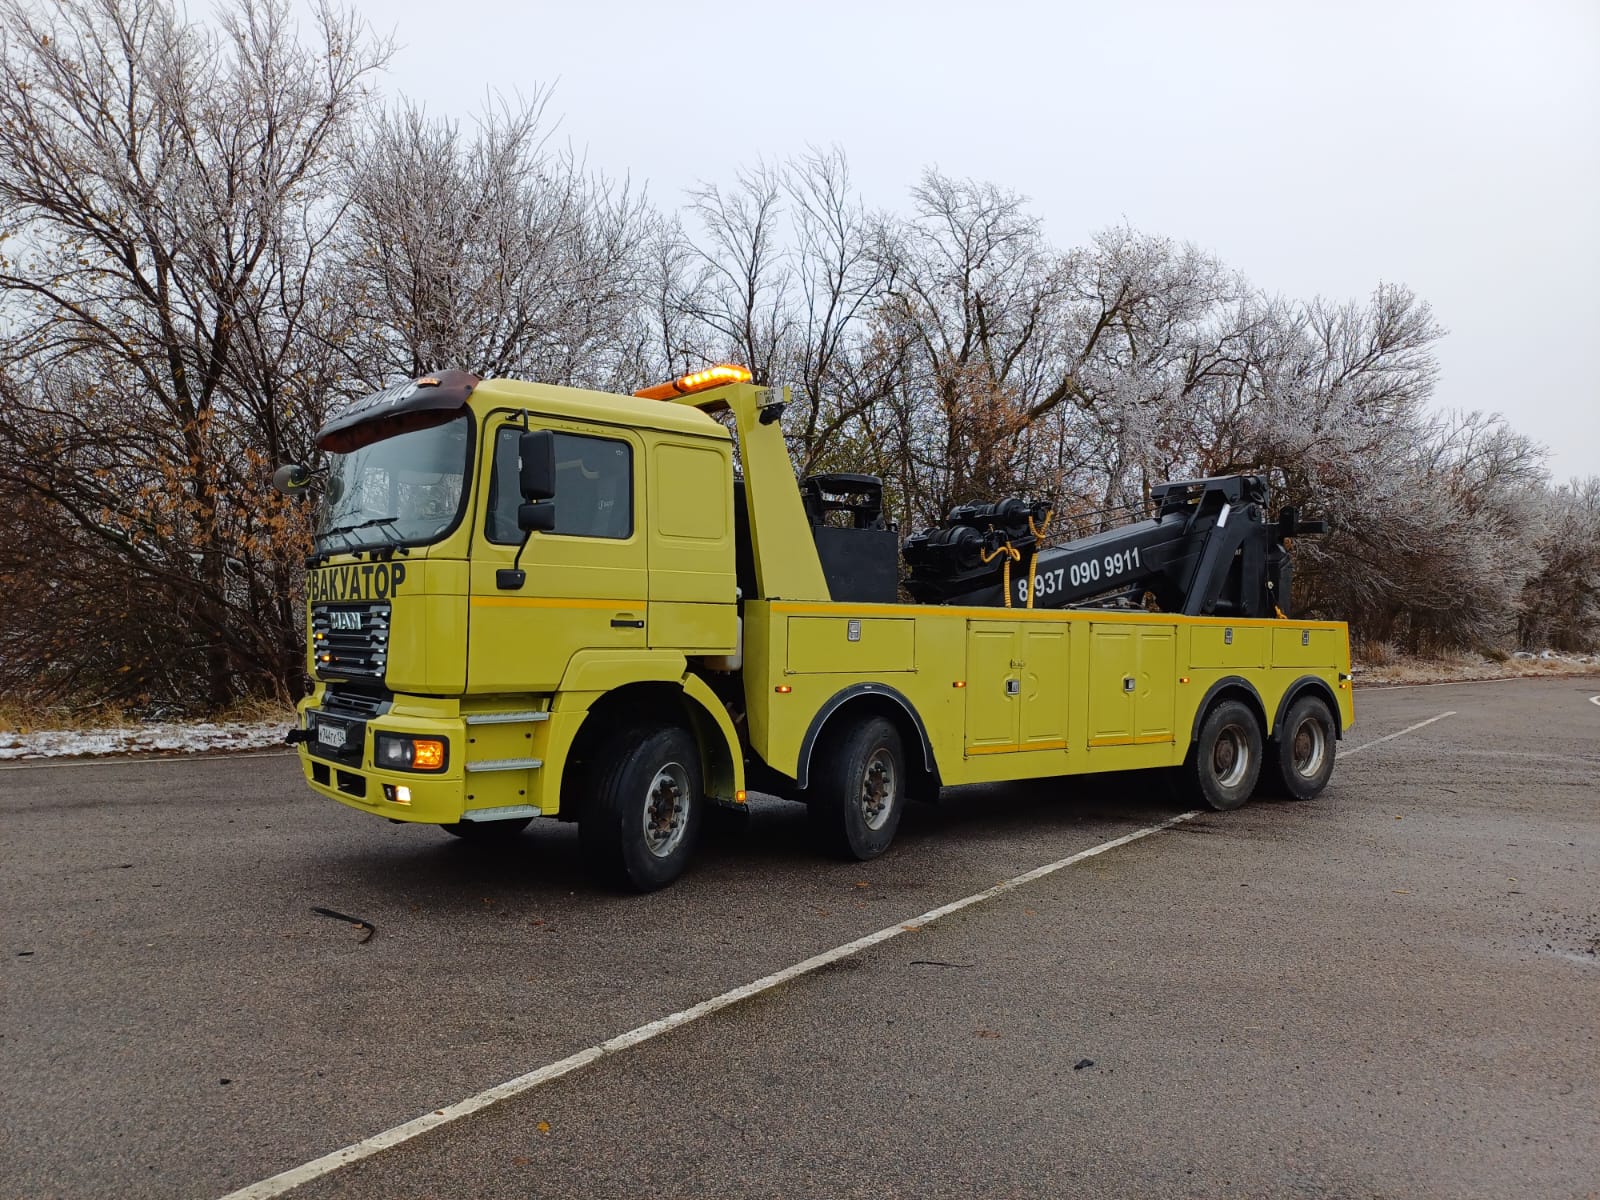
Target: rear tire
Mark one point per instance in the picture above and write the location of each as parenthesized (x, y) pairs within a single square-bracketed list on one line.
[(1225, 760), (488, 833), (1300, 759), (857, 791), (641, 819)]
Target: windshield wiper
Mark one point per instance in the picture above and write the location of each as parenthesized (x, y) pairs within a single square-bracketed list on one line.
[(375, 521), (345, 531)]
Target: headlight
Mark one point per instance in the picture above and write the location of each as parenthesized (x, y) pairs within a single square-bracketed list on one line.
[(396, 752)]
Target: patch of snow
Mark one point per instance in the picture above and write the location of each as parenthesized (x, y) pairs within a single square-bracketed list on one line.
[(189, 737)]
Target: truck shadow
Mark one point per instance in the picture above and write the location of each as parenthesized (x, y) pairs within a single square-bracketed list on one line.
[(767, 845)]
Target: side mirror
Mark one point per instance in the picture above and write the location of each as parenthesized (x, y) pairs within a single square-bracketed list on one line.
[(536, 476), (536, 518), (291, 479)]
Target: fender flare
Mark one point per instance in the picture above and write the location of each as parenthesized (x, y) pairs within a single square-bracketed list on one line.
[(597, 671), (725, 781), (1225, 684), (1310, 683), (837, 701)]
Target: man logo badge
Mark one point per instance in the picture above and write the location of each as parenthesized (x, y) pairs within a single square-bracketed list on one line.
[(344, 619)]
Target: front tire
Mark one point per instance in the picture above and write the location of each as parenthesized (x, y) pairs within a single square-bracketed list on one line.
[(858, 791), (1225, 760), (642, 818), (1300, 758)]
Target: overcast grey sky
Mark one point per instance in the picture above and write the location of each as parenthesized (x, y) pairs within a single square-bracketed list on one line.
[(1318, 148)]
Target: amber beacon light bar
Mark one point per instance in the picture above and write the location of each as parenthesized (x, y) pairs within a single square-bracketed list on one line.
[(700, 381)]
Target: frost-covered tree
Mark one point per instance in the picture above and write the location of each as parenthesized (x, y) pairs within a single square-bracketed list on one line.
[(1560, 602), (782, 271), (164, 332), (488, 251)]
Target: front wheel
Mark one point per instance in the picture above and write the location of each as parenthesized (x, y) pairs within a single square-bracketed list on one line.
[(1300, 758), (1225, 760), (858, 790), (640, 821)]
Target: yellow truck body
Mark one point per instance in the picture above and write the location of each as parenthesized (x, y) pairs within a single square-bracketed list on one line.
[(446, 695)]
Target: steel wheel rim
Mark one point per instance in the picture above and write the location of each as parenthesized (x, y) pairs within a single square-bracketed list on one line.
[(1230, 757), (876, 799), (666, 810), (1309, 749)]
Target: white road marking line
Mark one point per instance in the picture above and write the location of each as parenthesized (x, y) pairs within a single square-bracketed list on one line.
[(1389, 737), (288, 1180), (112, 760), (1594, 699)]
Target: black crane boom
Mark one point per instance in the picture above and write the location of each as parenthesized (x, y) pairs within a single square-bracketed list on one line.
[(1210, 549)]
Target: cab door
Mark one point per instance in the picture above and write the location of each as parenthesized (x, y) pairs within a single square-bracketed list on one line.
[(584, 585)]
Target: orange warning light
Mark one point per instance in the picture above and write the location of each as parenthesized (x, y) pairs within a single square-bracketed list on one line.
[(699, 381)]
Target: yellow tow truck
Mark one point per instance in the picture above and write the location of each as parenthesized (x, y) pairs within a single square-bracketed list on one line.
[(529, 600)]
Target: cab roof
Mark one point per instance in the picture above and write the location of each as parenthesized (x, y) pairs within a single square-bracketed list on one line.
[(610, 408)]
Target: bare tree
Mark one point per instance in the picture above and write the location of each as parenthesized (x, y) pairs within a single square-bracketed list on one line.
[(489, 252), (163, 199), (1560, 603)]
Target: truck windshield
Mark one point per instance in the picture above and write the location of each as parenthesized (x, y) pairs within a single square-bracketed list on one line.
[(405, 490)]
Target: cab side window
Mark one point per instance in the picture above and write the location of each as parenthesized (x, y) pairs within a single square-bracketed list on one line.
[(594, 487)]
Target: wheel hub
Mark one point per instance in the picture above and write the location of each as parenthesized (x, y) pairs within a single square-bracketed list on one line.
[(1230, 758), (877, 789), (1309, 748), (666, 810)]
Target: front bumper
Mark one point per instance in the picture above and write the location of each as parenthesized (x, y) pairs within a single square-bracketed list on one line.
[(349, 776), (495, 768)]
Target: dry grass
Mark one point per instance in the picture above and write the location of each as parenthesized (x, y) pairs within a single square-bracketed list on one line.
[(1386, 666), (21, 718)]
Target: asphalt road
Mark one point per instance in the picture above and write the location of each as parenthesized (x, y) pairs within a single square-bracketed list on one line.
[(1393, 990)]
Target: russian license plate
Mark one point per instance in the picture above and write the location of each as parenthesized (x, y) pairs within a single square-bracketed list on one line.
[(332, 736)]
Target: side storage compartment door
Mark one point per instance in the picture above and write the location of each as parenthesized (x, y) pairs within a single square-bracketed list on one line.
[(1132, 683), (994, 687), (1158, 685), (585, 582), (1044, 687), (1113, 678)]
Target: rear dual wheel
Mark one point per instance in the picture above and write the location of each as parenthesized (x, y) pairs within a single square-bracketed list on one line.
[(857, 791), (1225, 761), (1300, 758)]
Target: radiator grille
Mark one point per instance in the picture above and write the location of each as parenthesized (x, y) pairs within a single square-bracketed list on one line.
[(351, 640)]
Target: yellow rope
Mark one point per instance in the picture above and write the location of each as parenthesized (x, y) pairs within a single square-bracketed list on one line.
[(1011, 554), (1033, 561)]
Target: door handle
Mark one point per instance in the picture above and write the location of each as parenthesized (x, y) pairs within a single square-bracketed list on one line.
[(627, 622)]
